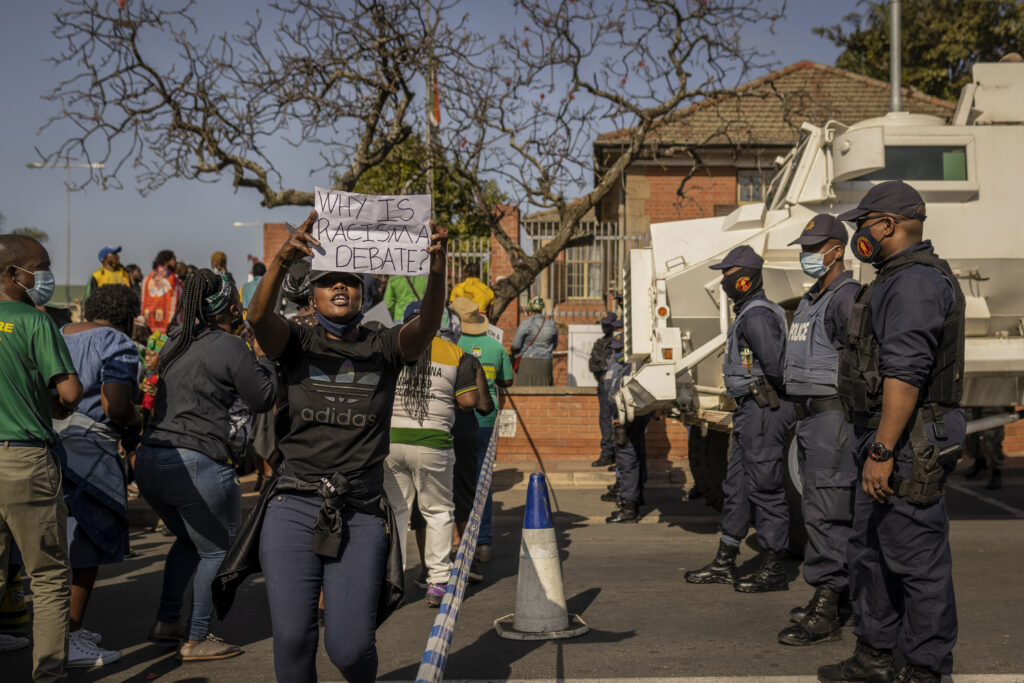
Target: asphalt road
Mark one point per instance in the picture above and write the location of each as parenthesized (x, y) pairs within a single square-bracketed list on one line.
[(626, 582)]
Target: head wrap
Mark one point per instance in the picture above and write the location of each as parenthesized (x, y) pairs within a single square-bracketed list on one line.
[(219, 300)]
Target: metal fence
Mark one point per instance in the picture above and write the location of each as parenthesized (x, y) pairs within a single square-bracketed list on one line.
[(583, 280), (465, 250)]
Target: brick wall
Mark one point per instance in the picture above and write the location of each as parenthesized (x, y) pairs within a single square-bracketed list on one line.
[(711, 186), (558, 427), (274, 235), (501, 266)]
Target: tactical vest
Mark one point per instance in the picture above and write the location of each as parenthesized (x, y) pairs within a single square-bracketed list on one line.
[(738, 372), (812, 361), (860, 381)]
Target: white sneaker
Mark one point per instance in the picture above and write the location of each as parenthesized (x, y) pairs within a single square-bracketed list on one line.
[(85, 653), (8, 643), (86, 634)]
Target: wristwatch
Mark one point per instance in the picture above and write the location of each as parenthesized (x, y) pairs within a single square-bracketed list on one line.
[(879, 453)]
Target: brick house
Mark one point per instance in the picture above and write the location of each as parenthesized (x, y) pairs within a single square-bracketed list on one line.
[(725, 149), (704, 160)]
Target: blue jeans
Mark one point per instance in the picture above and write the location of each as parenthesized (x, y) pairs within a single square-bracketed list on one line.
[(483, 439), (351, 584), (200, 501)]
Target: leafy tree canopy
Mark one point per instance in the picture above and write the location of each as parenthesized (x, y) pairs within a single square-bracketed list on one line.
[(404, 171), (941, 39)]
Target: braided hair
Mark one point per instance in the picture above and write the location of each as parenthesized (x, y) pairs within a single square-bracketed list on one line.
[(198, 285)]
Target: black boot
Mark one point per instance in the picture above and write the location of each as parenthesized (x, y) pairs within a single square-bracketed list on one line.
[(975, 469), (721, 568), (867, 665), (916, 674), (627, 512), (770, 576), (820, 624), (614, 488), (603, 461), (797, 614), (996, 480), (610, 496)]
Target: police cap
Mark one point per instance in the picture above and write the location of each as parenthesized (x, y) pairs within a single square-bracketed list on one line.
[(822, 227), (612, 320), (742, 256), (892, 196)]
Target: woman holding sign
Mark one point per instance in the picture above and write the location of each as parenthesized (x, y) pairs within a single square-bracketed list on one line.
[(325, 524)]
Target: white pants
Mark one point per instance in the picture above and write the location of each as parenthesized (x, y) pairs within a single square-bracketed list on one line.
[(424, 474)]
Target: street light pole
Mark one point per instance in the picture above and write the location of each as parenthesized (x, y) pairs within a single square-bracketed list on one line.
[(67, 166)]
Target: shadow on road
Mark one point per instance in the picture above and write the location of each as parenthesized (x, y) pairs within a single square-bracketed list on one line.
[(501, 654)]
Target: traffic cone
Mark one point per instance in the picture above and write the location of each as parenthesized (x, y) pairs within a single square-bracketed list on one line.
[(540, 599)]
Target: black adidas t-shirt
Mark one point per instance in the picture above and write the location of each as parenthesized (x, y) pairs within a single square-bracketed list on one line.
[(340, 396)]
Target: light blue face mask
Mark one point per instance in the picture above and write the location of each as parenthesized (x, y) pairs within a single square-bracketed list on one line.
[(42, 291), (814, 264)]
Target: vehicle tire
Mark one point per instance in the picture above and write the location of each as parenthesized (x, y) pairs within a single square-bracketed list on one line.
[(793, 482), (709, 459)]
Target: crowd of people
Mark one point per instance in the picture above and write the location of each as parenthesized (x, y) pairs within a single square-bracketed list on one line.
[(167, 386), (170, 384)]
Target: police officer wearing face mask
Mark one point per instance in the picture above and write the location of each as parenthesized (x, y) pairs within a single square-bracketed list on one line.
[(825, 437), (901, 379), (753, 372)]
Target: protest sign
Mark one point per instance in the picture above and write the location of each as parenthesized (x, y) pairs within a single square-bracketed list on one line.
[(380, 234)]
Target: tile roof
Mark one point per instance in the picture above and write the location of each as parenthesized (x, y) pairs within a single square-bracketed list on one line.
[(768, 111)]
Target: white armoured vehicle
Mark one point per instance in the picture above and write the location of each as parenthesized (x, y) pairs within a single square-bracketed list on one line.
[(970, 172)]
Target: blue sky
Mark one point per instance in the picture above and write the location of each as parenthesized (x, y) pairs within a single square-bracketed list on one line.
[(195, 219)]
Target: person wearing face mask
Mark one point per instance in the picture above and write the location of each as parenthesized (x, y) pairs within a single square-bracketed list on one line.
[(901, 381), (38, 382), (325, 521), (184, 467), (824, 436), (753, 373)]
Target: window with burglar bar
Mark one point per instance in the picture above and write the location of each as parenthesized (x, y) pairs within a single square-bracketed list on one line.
[(751, 186), (583, 272)]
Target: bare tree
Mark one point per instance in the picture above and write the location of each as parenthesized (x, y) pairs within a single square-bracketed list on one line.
[(571, 70), (154, 99), (338, 80)]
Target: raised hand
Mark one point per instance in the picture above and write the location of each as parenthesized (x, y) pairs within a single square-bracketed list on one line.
[(300, 243)]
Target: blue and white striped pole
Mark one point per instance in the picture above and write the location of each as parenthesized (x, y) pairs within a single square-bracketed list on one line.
[(435, 656), (540, 613)]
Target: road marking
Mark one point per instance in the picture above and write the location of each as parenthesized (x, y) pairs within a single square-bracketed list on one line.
[(652, 518), (959, 678), (1016, 512)]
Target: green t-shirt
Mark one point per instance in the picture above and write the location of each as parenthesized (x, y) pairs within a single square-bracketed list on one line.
[(494, 359), (32, 352), (402, 291)]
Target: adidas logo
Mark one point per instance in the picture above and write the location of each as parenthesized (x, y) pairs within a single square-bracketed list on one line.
[(345, 387)]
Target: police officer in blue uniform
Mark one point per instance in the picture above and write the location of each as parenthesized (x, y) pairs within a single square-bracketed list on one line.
[(599, 362), (901, 380), (753, 373), (629, 442), (824, 435)]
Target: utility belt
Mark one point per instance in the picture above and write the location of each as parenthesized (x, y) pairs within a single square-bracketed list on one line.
[(806, 407), (929, 465), (764, 394)]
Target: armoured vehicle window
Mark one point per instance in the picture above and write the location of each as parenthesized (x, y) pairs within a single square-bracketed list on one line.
[(778, 188), (922, 163)]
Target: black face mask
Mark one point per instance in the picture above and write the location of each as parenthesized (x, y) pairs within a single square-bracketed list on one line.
[(741, 284)]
